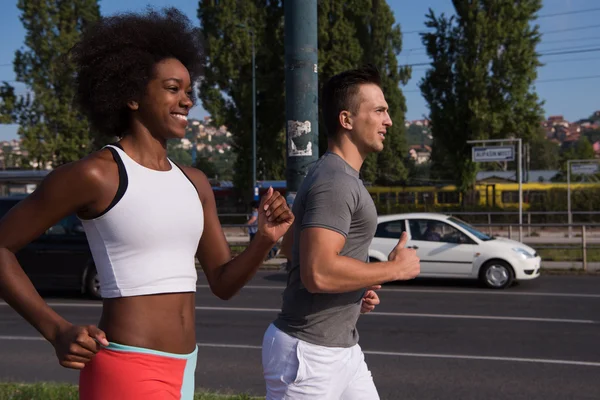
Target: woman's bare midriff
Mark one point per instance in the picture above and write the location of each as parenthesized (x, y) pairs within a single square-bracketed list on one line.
[(163, 322)]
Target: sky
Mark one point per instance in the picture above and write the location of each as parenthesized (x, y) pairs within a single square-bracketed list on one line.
[(568, 84)]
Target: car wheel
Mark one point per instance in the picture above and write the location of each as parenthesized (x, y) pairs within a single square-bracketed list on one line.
[(92, 283), (496, 274)]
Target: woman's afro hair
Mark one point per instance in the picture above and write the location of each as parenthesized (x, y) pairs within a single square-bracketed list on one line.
[(115, 60)]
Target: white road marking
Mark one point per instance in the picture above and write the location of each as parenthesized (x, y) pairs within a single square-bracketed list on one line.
[(382, 353), (373, 314), (443, 291), (486, 358), (487, 317)]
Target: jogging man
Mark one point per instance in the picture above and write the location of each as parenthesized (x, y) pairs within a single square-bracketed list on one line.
[(311, 350)]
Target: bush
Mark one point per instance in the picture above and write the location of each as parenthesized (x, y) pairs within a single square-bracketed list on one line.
[(556, 201)]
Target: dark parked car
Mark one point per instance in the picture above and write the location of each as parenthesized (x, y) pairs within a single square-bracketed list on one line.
[(60, 258)]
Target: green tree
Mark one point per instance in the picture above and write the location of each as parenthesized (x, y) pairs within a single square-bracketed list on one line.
[(350, 33), (543, 154), (178, 154), (484, 64), (342, 30), (206, 165), (595, 117), (418, 135), (51, 128), (593, 135), (580, 150), (228, 27), (418, 173), (356, 32), (383, 44), (9, 158), (8, 101), (215, 165)]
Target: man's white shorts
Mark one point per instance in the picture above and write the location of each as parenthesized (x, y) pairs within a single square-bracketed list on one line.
[(295, 369)]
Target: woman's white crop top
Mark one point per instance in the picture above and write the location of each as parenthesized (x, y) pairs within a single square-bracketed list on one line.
[(146, 240)]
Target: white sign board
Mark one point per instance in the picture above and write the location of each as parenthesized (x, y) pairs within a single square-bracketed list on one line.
[(584, 169), (493, 153)]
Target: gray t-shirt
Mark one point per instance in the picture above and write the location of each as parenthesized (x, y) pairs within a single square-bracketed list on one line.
[(333, 197)]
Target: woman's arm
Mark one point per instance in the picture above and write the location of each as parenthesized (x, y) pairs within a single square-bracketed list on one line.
[(226, 276), (65, 191)]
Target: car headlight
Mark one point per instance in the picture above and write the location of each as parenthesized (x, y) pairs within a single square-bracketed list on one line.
[(522, 252)]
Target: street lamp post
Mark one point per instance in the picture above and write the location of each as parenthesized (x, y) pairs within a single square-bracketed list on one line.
[(254, 187), (301, 90)]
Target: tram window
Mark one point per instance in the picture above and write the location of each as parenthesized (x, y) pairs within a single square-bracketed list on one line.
[(448, 197), (425, 198), (387, 197), (536, 196), (510, 196), (406, 198)]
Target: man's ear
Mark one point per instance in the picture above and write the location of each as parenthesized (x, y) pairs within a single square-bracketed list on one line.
[(346, 120)]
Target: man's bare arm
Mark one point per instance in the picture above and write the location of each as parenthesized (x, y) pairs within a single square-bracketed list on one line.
[(324, 270)]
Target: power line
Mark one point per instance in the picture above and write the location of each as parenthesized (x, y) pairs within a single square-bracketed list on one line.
[(558, 53), (573, 78), (569, 13), (583, 39), (415, 48), (415, 64), (583, 46), (572, 60), (579, 28), (424, 68), (411, 32), (555, 53), (543, 43)]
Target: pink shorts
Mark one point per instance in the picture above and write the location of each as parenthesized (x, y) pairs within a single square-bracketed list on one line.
[(129, 373)]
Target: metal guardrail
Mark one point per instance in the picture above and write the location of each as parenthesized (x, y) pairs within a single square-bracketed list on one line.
[(515, 213), (583, 230)]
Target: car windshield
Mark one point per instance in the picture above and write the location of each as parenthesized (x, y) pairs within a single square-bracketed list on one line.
[(480, 235)]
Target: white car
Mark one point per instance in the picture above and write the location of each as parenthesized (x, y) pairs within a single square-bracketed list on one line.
[(451, 248)]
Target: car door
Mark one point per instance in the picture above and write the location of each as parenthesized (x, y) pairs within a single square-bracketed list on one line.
[(443, 249), (57, 259), (387, 236)]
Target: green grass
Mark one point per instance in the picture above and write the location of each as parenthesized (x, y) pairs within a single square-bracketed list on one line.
[(593, 255), (54, 391), (237, 249)]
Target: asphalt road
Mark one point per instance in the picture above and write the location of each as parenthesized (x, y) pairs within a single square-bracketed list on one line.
[(429, 339)]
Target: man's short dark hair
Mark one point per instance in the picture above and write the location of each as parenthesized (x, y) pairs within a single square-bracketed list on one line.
[(340, 93)]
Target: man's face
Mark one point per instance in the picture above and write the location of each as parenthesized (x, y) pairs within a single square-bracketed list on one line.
[(370, 119)]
